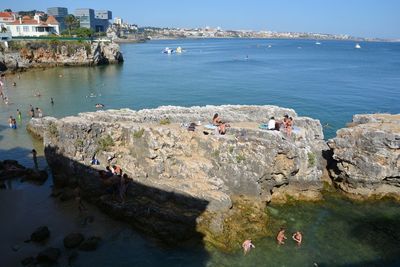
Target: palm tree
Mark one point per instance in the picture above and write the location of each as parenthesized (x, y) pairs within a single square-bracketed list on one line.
[(72, 22)]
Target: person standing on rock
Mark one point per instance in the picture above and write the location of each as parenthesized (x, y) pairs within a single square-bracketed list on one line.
[(34, 156), (247, 246), (280, 237)]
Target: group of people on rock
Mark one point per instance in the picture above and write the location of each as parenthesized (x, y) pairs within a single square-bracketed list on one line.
[(221, 125), (35, 112), (286, 124), (280, 238), (115, 181)]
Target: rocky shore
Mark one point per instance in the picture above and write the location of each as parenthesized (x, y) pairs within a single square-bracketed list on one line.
[(200, 185), (367, 157), (23, 55)]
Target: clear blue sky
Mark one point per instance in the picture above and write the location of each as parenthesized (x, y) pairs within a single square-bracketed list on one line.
[(365, 18)]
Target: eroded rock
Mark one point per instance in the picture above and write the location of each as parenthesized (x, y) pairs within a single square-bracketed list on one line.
[(367, 156)]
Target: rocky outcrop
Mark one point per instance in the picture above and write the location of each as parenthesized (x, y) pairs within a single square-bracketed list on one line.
[(185, 183), (367, 156), (33, 54)]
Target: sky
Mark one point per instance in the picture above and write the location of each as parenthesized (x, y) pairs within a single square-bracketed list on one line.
[(361, 18)]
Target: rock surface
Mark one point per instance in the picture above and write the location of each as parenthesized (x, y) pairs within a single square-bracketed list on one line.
[(48, 255), (189, 180), (40, 234), (35, 54), (367, 156), (73, 240)]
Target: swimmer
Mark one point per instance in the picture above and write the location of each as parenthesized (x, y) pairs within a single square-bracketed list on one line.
[(19, 115), (98, 105), (280, 237), (298, 237), (51, 101), (14, 84), (37, 94), (247, 246)]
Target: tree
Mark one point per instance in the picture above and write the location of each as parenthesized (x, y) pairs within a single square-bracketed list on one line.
[(72, 22), (7, 10)]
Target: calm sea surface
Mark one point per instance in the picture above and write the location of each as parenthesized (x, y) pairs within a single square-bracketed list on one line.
[(330, 82)]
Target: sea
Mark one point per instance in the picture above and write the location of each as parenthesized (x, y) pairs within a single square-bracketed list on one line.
[(329, 80)]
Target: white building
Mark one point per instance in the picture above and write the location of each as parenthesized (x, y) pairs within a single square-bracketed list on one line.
[(27, 26), (118, 21)]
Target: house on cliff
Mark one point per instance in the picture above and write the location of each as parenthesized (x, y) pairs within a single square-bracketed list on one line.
[(26, 26)]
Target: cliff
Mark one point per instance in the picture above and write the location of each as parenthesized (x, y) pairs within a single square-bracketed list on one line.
[(184, 182), (33, 54), (367, 156)]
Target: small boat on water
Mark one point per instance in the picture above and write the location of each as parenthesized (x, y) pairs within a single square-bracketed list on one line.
[(178, 50), (168, 50), (357, 46), (317, 43)]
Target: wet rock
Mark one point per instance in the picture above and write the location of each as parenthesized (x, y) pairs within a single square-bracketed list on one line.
[(16, 248), (40, 234), (73, 240), (48, 255), (36, 176), (90, 243)]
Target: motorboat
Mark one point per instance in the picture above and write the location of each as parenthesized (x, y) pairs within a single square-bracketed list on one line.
[(358, 46), (178, 50), (317, 43), (168, 50)]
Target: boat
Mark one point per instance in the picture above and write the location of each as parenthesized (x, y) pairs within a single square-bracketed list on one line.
[(168, 50), (317, 43), (178, 50), (358, 46)]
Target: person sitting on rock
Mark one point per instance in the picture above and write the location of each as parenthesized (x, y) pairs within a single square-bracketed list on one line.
[(298, 237), (117, 170), (216, 121), (247, 246), (272, 124), (280, 237)]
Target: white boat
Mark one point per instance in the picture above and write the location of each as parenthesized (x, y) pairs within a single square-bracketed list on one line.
[(168, 50), (358, 46), (317, 43), (178, 50)]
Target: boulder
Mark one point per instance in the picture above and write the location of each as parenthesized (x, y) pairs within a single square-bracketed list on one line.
[(73, 240), (90, 243), (48, 255), (40, 234), (28, 261), (367, 156)]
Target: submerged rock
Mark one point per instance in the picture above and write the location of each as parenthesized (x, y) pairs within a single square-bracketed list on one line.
[(40, 234), (48, 255), (367, 156), (90, 243), (73, 240)]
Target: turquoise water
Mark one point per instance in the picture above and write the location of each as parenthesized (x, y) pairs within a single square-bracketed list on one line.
[(330, 82)]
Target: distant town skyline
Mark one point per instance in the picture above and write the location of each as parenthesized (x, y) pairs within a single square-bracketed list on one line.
[(363, 18)]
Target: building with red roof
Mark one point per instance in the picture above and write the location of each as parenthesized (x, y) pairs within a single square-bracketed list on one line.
[(27, 26)]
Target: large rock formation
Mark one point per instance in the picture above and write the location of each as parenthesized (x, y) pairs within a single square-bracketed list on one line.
[(32, 54), (185, 183), (367, 156)]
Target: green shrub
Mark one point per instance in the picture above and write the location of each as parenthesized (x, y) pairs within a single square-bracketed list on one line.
[(138, 133), (53, 129), (105, 143), (230, 149), (165, 121), (240, 158), (215, 154), (311, 159), (78, 143)]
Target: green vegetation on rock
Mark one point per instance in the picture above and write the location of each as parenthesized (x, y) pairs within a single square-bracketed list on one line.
[(105, 143), (311, 159), (165, 121), (138, 133)]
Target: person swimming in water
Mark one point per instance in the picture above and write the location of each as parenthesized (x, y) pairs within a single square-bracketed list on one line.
[(280, 237), (98, 105), (51, 101), (298, 237), (247, 246)]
